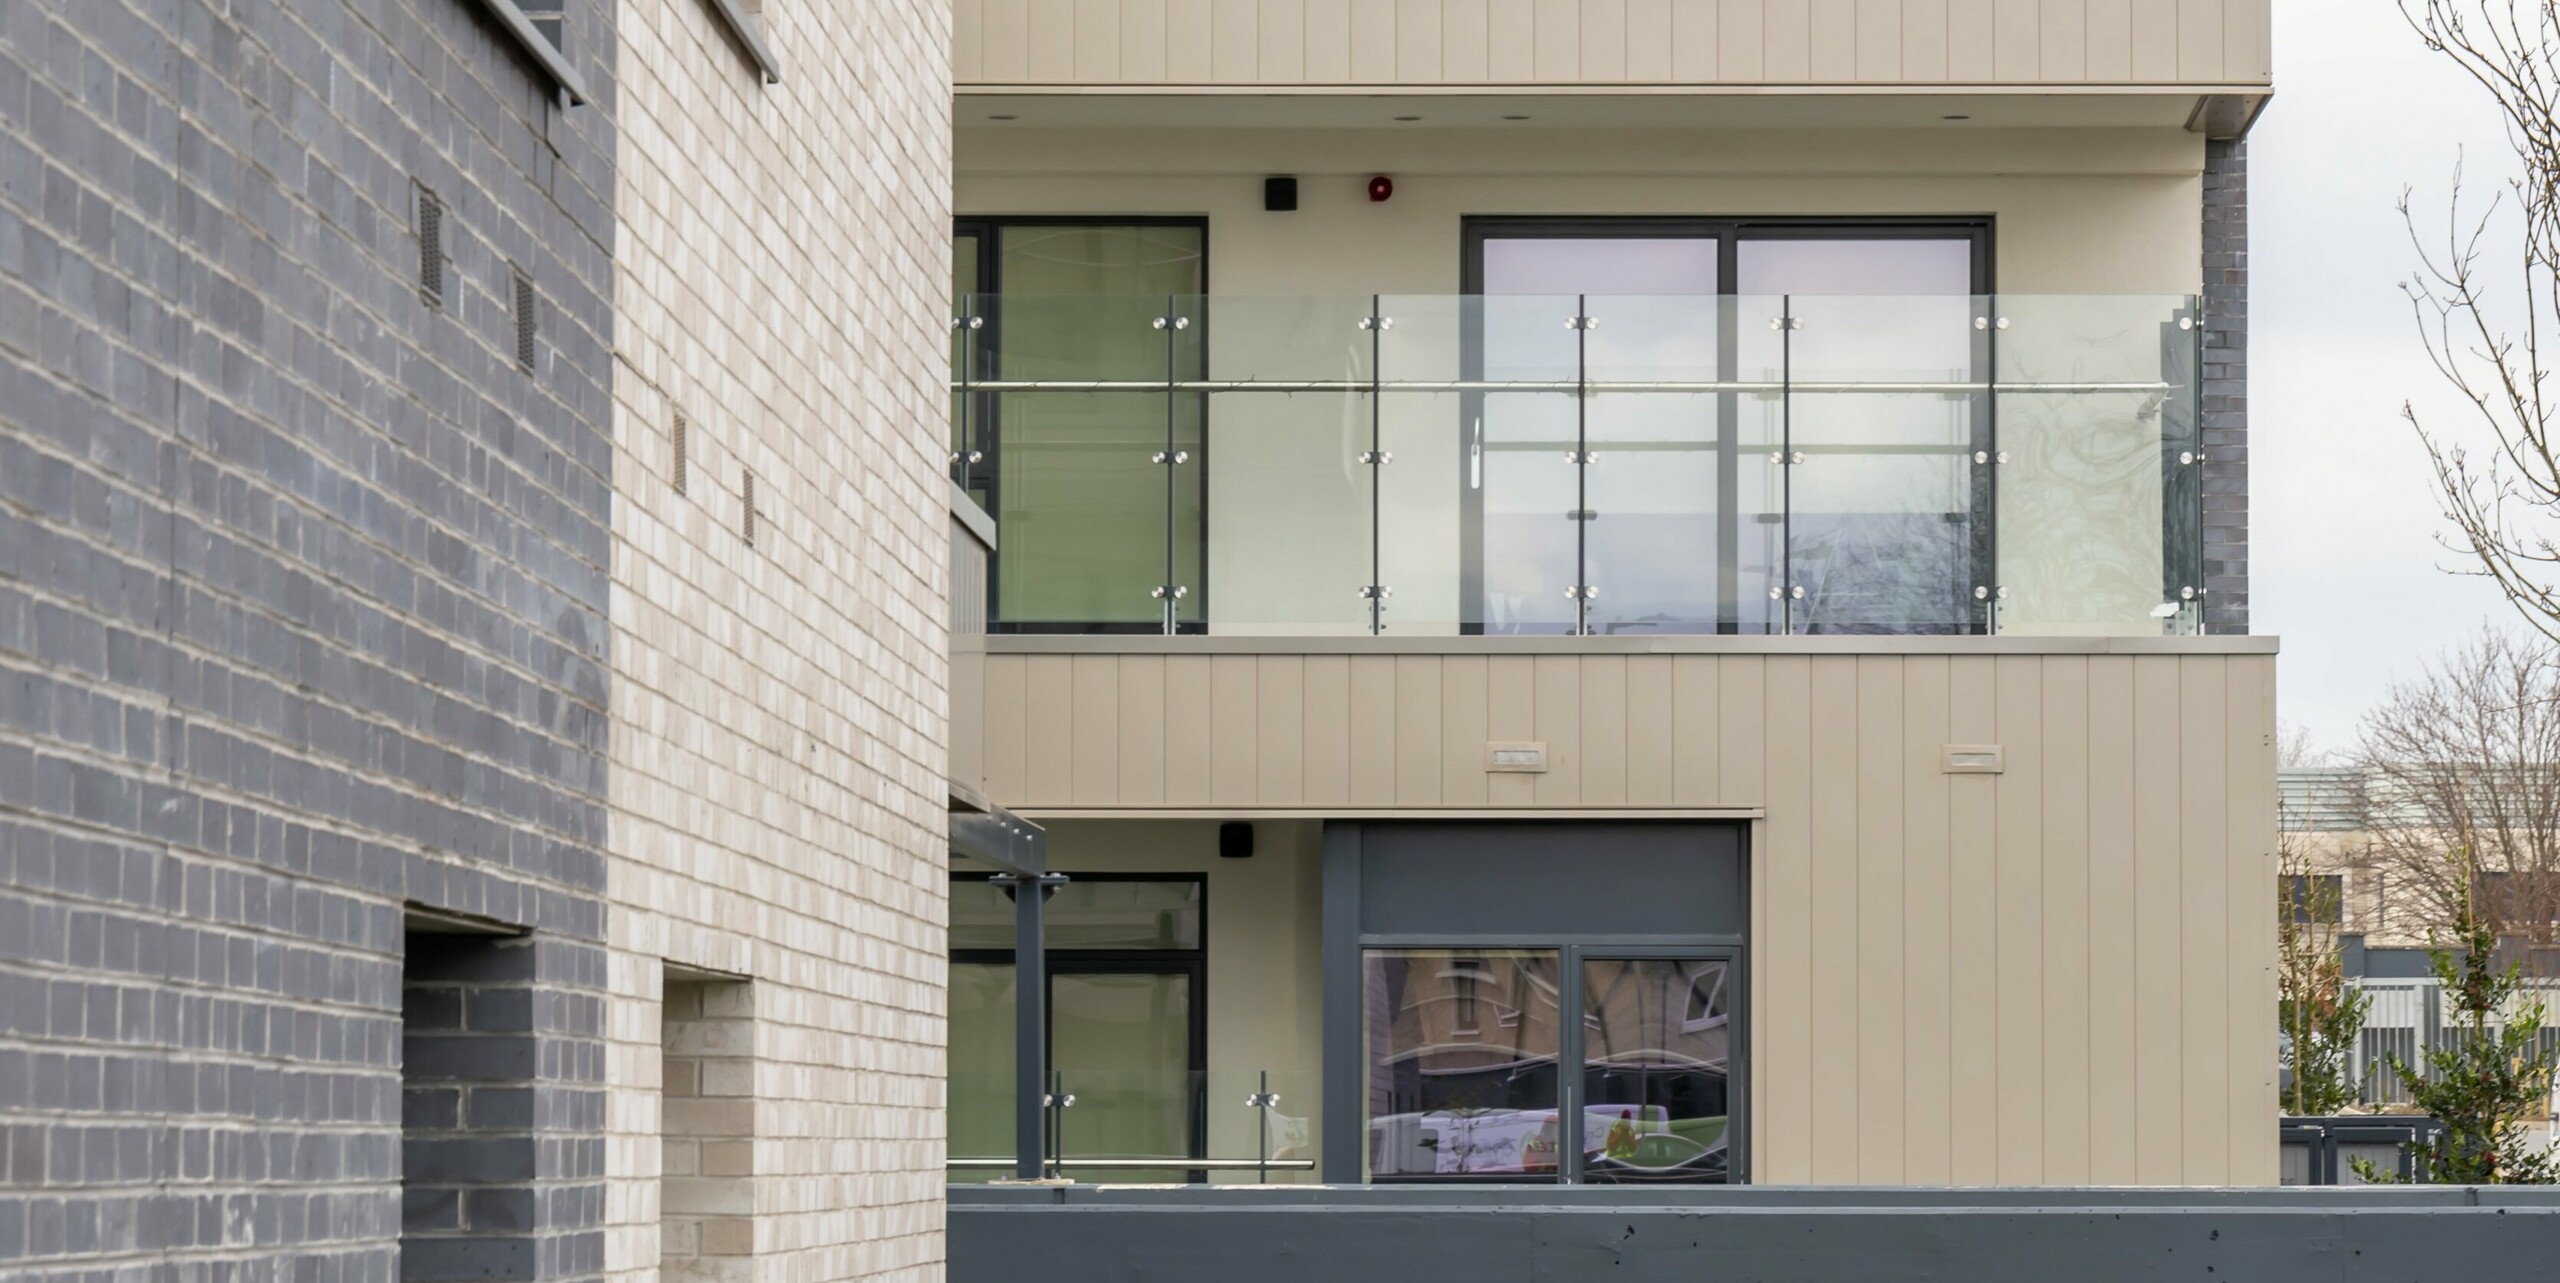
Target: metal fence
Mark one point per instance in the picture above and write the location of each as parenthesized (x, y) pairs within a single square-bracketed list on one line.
[(2407, 1020)]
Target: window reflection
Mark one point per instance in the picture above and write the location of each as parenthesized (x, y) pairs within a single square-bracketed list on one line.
[(1656, 1052), (1462, 1062)]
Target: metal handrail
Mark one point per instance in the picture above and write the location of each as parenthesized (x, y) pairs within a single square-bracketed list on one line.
[(1146, 1164), (1556, 386)]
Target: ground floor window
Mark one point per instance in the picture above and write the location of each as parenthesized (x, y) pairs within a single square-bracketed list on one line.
[(1466, 1057)]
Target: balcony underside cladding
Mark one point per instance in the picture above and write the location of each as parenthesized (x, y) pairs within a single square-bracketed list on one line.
[(302, 619)]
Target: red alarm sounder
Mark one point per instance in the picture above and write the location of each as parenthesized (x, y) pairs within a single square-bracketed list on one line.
[(1381, 187)]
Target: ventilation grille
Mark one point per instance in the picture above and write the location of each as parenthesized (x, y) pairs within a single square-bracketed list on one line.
[(681, 443), (524, 319), (430, 247), (747, 524)]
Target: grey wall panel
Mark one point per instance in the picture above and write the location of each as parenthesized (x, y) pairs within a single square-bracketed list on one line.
[(1552, 879)]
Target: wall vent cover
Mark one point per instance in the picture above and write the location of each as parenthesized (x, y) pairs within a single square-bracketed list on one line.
[(677, 471), (430, 247), (525, 333), (748, 517)]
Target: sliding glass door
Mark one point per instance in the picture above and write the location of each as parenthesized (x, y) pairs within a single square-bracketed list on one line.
[(1659, 503)]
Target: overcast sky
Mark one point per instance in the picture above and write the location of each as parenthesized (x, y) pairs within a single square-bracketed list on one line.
[(2347, 564)]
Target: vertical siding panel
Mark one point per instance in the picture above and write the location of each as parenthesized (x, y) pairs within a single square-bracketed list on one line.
[(1879, 40), (1142, 730), (1971, 41), (1373, 42), (968, 29), (1187, 712), (1417, 730), (2113, 1025), (1832, 914), (1555, 40), (2110, 40), (1832, 41), (1511, 41), (1328, 41), (1096, 730), (1097, 41), (1463, 42), (1142, 28), (1787, 41), (1742, 45), (1328, 730), (1049, 713), (1649, 47), (1373, 730), (2064, 33), (1462, 731), (2065, 920), (1742, 699), (2159, 1112), (1924, 39), (2155, 40), (1187, 41), (1051, 41), (1511, 713), (1879, 894), (1280, 724), (1652, 762), (1927, 1086), (1784, 879), (1007, 727), (1235, 29), (1005, 52), (1697, 732), (2204, 918), (2015, 44), (1282, 27), (2245, 38), (1693, 41), (1418, 41), (1973, 891), (1604, 730), (2250, 876), (1603, 37), (2018, 711), (1559, 714), (2199, 39), (1233, 683)]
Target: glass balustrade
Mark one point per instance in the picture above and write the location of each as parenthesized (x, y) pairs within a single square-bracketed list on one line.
[(1585, 464)]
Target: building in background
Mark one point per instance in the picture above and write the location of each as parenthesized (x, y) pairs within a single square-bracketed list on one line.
[(473, 613), (1615, 592)]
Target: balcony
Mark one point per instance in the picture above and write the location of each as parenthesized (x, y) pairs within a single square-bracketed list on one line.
[(1581, 465)]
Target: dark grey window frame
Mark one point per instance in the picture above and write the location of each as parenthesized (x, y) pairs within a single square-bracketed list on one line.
[(543, 49), (1729, 233), (984, 475), (1344, 1054)]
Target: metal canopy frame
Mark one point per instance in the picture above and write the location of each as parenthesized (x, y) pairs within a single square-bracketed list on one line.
[(1020, 851)]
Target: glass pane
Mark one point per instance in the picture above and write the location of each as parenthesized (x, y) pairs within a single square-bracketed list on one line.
[(1624, 264), (1656, 1053), (1289, 1130), (1461, 1054), (981, 1066), (1760, 481), (1524, 362), (1121, 1045), (1289, 498), (1882, 415), (1827, 265), (1083, 914), (1090, 514), (1654, 469), (964, 348), (1430, 496), (2092, 394)]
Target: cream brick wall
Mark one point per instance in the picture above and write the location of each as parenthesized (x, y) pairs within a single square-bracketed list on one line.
[(780, 711)]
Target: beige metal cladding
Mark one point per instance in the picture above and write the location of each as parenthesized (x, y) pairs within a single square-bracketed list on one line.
[(2056, 973), (1274, 44)]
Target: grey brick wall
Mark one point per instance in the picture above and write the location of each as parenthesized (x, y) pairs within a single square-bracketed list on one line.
[(302, 616), (2226, 386)]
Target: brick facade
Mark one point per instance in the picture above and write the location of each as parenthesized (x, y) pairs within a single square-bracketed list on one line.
[(302, 629), (779, 706), (2226, 386)]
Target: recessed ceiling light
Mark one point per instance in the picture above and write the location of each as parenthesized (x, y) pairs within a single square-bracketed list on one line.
[(1955, 117), (1004, 117), (1515, 118), (1408, 117)]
